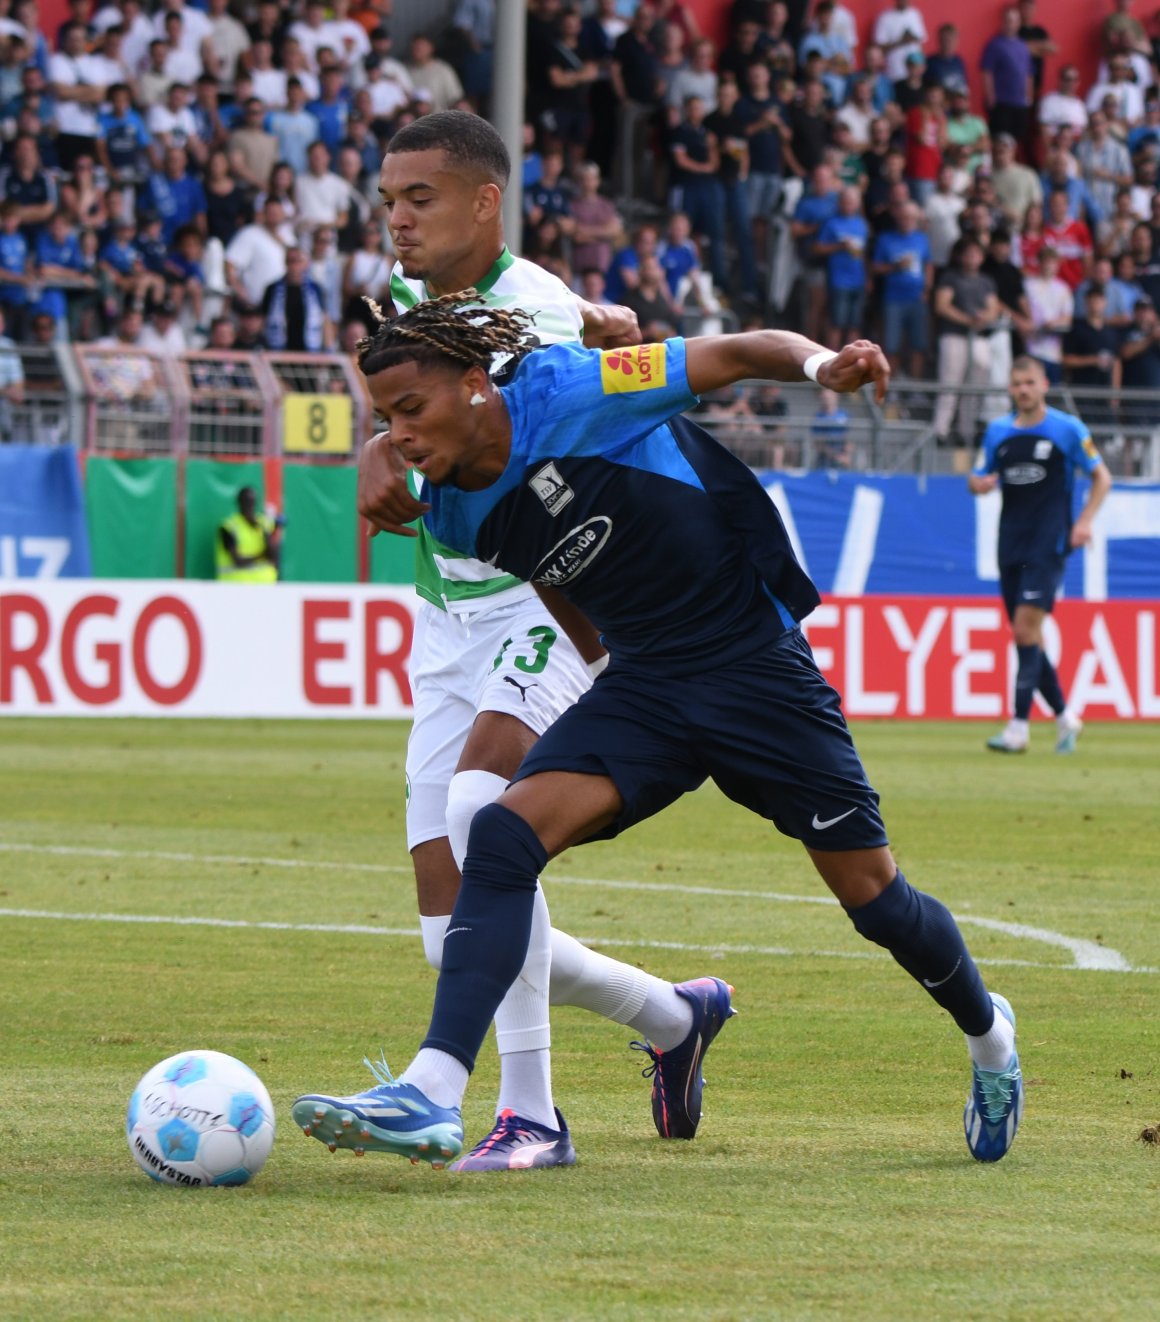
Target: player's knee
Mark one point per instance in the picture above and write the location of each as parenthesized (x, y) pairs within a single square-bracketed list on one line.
[(891, 911), (468, 792), (505, 853)]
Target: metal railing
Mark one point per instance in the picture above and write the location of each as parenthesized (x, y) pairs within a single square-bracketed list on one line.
[(127, 401), (782, 427), (218, 404)]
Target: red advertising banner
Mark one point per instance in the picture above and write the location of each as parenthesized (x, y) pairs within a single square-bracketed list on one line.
[(947, 657), (83, 647)]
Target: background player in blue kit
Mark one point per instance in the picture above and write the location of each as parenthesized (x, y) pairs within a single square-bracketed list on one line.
[(1032, 453), (580, 474)]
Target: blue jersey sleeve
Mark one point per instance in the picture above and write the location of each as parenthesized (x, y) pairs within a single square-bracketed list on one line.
[(985, 463), (1081, 449), (568, 400)]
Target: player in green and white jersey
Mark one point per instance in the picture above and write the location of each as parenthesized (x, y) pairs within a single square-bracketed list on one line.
[(491, 667)]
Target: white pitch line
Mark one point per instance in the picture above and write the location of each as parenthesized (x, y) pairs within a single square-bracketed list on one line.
[(362, 929), (1086, 954)]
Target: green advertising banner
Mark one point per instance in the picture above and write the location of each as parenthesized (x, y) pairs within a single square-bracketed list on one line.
[(319, 544), (211, 495), (131, 507)]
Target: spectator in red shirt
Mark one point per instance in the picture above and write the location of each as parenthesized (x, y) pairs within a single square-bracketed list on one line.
[(926, 136), (1031, 239), (1071, 239)]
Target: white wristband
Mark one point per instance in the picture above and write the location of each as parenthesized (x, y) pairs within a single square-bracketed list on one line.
[(811, 364), (596, 667)]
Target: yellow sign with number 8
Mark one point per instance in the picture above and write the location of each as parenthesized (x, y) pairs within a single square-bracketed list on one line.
[(317, 424)]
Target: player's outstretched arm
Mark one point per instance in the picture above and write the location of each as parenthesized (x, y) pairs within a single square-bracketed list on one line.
[(384, 498), (715, 361)]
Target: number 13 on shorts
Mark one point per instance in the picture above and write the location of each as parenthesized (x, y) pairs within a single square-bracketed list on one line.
[(531, 654)]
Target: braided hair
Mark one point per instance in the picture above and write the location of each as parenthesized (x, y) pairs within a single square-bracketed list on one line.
[(452, 330)]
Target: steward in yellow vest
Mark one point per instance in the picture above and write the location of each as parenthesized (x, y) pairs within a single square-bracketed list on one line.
[(248, 544)]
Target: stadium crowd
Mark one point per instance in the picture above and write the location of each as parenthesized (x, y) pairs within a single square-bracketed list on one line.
[(174, 176)]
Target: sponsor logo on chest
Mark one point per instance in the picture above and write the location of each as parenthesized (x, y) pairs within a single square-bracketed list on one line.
[(1023, 475), (573, 553)]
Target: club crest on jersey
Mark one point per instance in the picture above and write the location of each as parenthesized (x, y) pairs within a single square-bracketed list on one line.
[(1043, 449), (551, 488), (639, 367)]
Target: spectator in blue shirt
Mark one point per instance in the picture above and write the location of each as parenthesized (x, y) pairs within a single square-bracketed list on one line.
[(151, 243), (30, 186), (551, 198), (874, 68), (122, 271), (1008, 79), (678, 253), (622, 274), (902, 261), (822, 38), (295, 127), (32, 93), (842, 242), (946, 66), (816, 206), (176, 195), (331, 109), (125, 143), (13, 267), (760, 113), (830, 431), (60, 266)]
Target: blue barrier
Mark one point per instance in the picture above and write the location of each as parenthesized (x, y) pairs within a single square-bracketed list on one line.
[(858, 533), (43, 533)]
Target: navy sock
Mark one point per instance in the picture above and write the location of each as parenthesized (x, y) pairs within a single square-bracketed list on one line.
[(487, 937), (924, 938), (1026, 679), (1048, 685)]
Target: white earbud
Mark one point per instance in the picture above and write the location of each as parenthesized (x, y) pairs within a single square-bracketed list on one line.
[(477, 399)]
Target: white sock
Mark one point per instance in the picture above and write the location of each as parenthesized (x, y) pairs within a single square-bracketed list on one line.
[(619, 992), (992, 1050), (434, 929), (522, 1031), (1020, 727), (440, 1076)]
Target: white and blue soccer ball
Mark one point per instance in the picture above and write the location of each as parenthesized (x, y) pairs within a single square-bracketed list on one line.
[(200, 1118)]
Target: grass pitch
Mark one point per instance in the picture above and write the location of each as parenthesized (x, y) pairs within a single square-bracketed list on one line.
[(830, 1178)]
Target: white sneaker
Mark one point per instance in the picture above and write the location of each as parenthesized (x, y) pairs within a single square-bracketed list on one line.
[(1013, 739), (1068, 729)]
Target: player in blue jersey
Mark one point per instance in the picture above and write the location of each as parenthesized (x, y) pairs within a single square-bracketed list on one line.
[(491, 669), (1032, 454), (580, 474)]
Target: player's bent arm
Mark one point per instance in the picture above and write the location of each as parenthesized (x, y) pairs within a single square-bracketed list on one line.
[(715, 361), (608, 325), (579, 628), (980, 483), (384, 499)]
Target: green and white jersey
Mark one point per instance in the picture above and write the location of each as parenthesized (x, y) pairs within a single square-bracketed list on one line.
[(443, 577)]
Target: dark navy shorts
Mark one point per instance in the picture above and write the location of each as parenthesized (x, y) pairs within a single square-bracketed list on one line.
[(770, 733), (1031, 583)]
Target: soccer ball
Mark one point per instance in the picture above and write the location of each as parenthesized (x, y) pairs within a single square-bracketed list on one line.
[(200, 1118)]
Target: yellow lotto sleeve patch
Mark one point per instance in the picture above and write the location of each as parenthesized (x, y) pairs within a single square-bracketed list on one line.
[(1089, 448), (639, 367)]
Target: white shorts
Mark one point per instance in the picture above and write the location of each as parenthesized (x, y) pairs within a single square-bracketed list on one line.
[(513, 658)]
